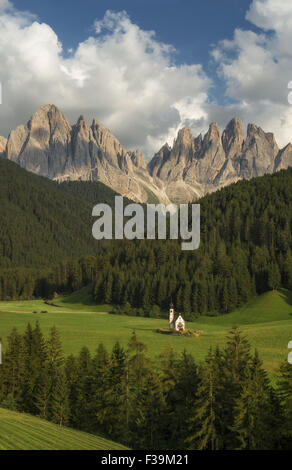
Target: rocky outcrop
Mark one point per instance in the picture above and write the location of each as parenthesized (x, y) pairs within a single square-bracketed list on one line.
[(284, 158), (49, 146), (138, 159), (43, 145), (233, 138), (258, 154), (196, 166), (159, 159)]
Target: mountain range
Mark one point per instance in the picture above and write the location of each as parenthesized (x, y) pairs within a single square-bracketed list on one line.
[(50, 146)]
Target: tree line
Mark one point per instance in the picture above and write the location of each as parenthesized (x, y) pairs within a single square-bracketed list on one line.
[(245, 250), (226, 402)]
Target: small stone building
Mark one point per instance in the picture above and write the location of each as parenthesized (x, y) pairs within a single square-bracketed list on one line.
[(176, 322)]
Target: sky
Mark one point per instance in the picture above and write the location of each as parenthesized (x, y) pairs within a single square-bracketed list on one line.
[(146, 68)]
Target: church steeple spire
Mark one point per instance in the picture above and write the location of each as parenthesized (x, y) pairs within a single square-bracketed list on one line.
[(171, 315)]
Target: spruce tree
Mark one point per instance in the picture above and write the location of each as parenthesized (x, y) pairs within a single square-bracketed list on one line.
[(99, 374), (183, 396), (72, 374), (13, 372), (112, 414), (60, 411), (204, 424), (43, 394), (253, 411), (148, 414), (234, 364), (285, 392), (82, 412), (54, 349)]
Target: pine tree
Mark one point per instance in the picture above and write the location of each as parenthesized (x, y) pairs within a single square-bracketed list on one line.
[(99, 383), (82, 412), (234, 364), (285, 392), (204, 424), (253, 411), (43, 393), (13, 372), (55, 361), (148, 414), (60, 400), (138, 361), (72, 375), (112, 414), (183, 395), (54, 349)]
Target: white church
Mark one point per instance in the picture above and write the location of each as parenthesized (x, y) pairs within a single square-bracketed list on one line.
[(176, 322)]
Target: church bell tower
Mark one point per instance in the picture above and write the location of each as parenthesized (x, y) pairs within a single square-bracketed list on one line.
[(171, 315)]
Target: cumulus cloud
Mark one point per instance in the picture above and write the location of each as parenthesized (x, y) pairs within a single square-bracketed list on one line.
[(256, 68), (5, 5), (121, 75), (128, 80)]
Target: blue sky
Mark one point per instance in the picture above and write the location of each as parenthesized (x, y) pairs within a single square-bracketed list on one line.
[(192, 26), (98, 58)]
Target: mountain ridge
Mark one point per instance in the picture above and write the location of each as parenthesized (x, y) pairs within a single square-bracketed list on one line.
[(50, 146)]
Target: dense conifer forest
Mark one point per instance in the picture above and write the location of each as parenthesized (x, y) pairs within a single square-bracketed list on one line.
[(227, 402), (43, 222), (246, 249)]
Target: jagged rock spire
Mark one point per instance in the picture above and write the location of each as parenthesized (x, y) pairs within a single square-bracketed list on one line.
[(50, 146)]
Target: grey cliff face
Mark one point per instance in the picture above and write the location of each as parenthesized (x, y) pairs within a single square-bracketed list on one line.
[(284, 158), (49, 146), (196, 166)]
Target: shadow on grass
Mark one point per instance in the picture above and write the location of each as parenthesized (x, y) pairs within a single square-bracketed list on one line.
[(83, 296), (286, 295)]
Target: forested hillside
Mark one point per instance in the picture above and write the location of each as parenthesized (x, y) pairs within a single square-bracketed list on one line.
[(43, 222), (92, 192), (245, 250), (227, 402)]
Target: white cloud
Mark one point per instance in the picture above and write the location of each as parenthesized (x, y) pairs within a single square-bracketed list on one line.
[(127, 79), (256, 68), (271, 14), (122, 76), (5, 5)]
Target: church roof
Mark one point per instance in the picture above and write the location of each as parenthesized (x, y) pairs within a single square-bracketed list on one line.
[(176, 317)]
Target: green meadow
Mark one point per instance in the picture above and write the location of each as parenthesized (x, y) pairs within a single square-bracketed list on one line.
[(19, 431), (266, 322)]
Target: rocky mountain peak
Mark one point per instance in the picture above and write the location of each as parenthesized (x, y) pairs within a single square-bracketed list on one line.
[(184, 145), (184, 135), (233, 137), (159, 159), (82, 122), (257, 134), (213, 132), (49, 146), (284, 158), (253, 129)]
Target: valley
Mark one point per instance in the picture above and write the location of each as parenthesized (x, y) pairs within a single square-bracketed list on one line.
[(266, 321)]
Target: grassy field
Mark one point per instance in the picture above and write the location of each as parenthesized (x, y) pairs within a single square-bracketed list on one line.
[(266, 322), (19, 431)]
